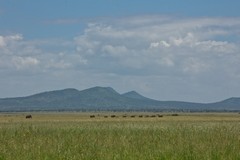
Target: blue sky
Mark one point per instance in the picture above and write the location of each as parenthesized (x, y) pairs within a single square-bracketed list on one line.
[(35, 19), (164, 49)]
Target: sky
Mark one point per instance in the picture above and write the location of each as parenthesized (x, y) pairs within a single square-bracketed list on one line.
[(163, 49)]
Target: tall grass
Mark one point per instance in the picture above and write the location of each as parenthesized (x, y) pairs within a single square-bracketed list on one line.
[(108, 140)]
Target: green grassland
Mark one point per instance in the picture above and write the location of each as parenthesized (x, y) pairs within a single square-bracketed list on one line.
[(76, 136)]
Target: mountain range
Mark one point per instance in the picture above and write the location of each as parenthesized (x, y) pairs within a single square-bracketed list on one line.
[(106, 99)]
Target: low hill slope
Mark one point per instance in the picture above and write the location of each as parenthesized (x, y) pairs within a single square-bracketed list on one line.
[(105, 99)]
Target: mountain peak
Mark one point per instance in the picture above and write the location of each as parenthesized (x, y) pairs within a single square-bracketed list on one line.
[(135, 95), (101, 90)]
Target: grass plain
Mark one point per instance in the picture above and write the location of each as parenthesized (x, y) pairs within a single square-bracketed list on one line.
[(76, 136)]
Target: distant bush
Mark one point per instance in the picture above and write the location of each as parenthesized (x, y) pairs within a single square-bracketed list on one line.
[(175, 114)]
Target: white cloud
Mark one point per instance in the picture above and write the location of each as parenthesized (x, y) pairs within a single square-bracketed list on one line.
[(195, 52), (114, 51), (15, 37), (216, 46), (58, 64), (170, 54), (154, 44), (24, 62), (165, 44), (39, 55), (86, 46), (189, 40), (62, 61), (5, 40), (149, 44), (157, 43), (2, 42)]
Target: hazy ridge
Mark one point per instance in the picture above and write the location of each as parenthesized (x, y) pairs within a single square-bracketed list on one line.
[(106, 99)]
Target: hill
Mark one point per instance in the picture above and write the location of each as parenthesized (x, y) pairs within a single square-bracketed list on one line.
[(106, 99), (135, 95)]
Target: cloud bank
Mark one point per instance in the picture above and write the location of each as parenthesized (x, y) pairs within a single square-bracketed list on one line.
[(164, 57)]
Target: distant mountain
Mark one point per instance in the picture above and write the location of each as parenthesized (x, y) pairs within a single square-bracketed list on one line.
[(228, 104), (135, 95), (106, 99)]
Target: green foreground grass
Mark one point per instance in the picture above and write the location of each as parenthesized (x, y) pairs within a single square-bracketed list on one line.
[(59, 137)]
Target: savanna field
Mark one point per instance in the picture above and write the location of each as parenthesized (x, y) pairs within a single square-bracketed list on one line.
[(76, 136)]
